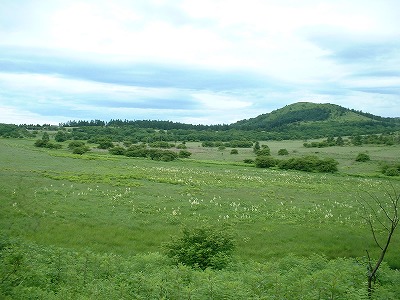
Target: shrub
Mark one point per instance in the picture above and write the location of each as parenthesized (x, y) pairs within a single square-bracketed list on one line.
[(117, 150), (256, 146), (168, 156), (78, 147), (207, 144), (164, 155), (392, 171), (239, 144), (44, 141), (327, 165), (75, 144), (265, 161), (136, 151), (80, 150), (234, 151), (362, 157), (60, 136), (105, 145), (339, 141), (45, 137), (248, 161), (40, 143), (283, 152), (204, 247), (329, 142), (181, 146), (127, 143), (51, 145), (48, 144), (184, 154), (264, 151), (309, 163), (139, 152)]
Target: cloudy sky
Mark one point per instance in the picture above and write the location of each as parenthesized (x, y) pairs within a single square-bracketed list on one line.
[(194, 61)]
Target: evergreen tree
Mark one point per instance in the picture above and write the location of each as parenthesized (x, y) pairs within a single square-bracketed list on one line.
[(256, 147)]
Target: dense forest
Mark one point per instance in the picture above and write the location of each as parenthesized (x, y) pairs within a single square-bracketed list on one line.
[(296, 121)]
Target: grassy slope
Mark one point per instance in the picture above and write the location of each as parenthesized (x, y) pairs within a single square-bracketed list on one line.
[(313, 119), (127, 206), (345, 155)]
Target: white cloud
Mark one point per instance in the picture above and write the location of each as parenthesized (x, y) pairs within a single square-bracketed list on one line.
[(307, 45), (17, 115), (220, 102)]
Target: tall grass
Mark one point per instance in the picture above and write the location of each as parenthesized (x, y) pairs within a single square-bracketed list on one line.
[(129, 206)]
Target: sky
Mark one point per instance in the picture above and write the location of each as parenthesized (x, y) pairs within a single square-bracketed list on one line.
[(194, 61)]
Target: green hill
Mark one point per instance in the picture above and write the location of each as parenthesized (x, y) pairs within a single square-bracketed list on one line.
[(304, 119)]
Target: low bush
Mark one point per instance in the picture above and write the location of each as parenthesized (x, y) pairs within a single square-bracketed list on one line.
[(184, 154), (80, 150), (30, 271), (78, 147), (105, 144), (203, 247), (47, 144), (117, 150), (391, 170), (264, 161), (136, 151), (363, 157), (208, 144), (309, 164), (75, 144), (283, 152), (51, 145), (163, 155), (264, 151), (181, 146)]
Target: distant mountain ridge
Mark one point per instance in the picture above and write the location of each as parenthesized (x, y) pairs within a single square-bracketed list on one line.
[(316, 120), (308, 112), (302, 120)]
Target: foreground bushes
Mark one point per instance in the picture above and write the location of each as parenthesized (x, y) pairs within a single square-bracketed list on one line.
[(309, 164), (31, 271), (48, 144), (154, 154), (306, 163), (363, 157), (391, 170), (203, 247)]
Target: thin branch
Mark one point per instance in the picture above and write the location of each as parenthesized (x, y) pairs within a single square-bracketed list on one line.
[(368, 219), (375, 213), (384, 210), (394, 200), (369, 264), (390, 209), (373, 234)]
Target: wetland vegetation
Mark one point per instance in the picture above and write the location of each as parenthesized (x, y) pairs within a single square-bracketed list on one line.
[(98, 224)]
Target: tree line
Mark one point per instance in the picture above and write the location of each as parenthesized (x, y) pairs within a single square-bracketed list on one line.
[(136, 134)]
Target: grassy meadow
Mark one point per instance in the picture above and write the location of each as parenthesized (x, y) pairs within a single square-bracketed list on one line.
[(128, 207)]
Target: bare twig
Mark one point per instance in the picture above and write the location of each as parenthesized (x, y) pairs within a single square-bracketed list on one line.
[(389, 224)]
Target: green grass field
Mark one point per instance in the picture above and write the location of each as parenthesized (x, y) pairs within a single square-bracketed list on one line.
[(113, 205)]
